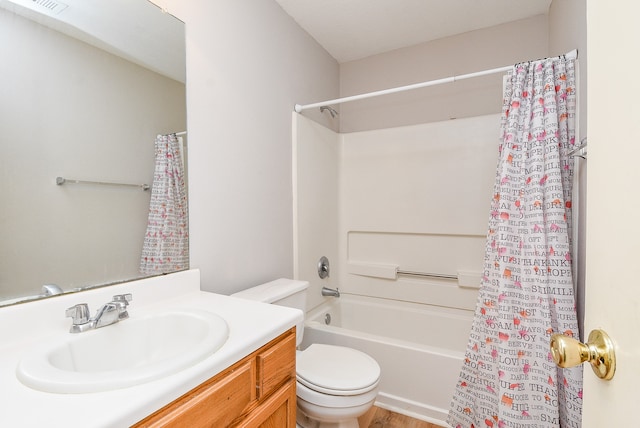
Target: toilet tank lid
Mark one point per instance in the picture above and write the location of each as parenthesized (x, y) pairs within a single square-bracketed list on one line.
[(273, 291)]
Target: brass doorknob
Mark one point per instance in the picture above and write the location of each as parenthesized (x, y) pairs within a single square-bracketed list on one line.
[(599, 351)]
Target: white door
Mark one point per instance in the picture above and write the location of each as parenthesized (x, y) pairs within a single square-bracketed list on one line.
[(613, 208)]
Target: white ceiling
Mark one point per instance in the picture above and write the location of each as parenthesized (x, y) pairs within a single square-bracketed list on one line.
[(354, 29), (135, 30)]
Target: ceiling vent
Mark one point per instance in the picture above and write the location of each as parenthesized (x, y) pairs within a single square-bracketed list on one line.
[(53, 7)]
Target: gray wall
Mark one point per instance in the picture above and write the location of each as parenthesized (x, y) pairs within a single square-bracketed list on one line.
[(568, 30), (248, 63), (478, 50)]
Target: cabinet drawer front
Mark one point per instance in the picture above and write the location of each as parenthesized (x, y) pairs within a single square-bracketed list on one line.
[(214, 404), (276, 365)]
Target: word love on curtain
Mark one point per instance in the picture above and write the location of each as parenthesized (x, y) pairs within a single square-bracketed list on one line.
[(508, 378), (166, 241)]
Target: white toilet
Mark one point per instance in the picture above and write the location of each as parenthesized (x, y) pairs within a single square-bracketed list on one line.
[(335, 384)]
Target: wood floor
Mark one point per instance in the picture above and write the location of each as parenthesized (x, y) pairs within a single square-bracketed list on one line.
[(381, 418)]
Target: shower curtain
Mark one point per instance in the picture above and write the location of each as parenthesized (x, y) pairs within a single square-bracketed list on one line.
[(508, 378), (166, 241)]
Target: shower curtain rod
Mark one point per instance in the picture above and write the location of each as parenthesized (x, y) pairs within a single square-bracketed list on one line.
[(299, 108)]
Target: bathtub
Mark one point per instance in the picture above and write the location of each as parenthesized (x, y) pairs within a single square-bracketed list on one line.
[(419, 347)]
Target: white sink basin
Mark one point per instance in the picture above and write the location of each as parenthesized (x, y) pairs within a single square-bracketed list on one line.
[(124, 354)]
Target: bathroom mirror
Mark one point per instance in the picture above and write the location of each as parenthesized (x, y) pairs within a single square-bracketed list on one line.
[(86, 86)]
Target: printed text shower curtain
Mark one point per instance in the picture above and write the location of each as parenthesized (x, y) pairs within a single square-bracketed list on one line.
[(166, 241), (508, 378)]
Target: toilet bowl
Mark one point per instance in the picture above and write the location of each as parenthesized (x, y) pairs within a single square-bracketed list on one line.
[(335, 384)]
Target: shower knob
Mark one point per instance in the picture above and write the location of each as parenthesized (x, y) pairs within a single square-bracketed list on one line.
[(599, 351), (323, 267)]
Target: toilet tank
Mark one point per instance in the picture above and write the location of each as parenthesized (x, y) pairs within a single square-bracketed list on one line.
[(283, 292)]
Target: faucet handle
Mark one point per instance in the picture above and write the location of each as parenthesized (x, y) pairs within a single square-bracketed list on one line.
[(123, 298), (79, 313), (123, 301)]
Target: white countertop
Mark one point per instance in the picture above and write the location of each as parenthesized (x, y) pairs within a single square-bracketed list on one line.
[(23, 327)]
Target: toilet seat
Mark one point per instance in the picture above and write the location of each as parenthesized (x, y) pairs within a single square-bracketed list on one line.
[(336, 370), (320, 399)]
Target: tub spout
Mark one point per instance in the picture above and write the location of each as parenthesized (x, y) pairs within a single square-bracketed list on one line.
[(51, 290), (330, 292)]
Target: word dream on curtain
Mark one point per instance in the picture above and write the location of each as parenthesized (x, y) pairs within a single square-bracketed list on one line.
[(508, 378), (166, 241)]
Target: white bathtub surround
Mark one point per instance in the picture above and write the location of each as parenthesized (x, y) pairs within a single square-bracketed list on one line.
[(412, 198), (419, 348), (24, 327)]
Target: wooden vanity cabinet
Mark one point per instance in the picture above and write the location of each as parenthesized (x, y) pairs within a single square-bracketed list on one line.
[(257, 391)]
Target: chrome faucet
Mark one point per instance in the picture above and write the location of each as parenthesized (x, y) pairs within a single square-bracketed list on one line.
[(109, 313), (330, 292)]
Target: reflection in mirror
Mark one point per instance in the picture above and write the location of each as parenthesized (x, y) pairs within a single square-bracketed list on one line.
[(86, 86)]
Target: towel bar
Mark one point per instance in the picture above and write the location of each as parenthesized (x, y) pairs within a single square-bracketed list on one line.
[(61, 180)]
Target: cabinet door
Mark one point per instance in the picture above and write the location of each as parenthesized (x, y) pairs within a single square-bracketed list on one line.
[(276, 365), (215, 403), (278, 411)]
